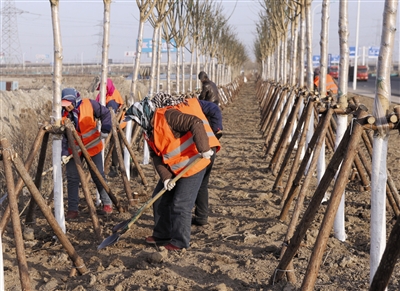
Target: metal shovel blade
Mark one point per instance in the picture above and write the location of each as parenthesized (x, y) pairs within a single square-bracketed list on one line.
[(109, 241), (121, 225)]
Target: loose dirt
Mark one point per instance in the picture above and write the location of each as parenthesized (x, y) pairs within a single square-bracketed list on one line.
[(238, 250)]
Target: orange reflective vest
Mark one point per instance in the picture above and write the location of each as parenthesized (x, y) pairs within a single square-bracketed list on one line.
[(330, 84), (116, 96), (88, 129), (178, 153)]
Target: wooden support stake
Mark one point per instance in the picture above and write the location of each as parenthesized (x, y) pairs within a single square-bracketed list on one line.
[(122, 169), (133, 156), (92, 210), (305, 187), (13, 204), (317, 139), (268, 112), (108, 158), (388, 260), (29, 219), (367, 138), (333, 203), (271, 125), (363, 175), (28, 163), (137, 129), (304, 119), (282, 146), (277, 129), (309, 214), (48, 214)]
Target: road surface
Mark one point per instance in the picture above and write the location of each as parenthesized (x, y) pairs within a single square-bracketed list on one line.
[(368, 88)]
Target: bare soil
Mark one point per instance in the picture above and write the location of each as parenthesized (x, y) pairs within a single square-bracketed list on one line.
[(238, 250)]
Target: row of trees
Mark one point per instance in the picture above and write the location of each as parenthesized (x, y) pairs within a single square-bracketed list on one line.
[(282, 44), (198, 26)]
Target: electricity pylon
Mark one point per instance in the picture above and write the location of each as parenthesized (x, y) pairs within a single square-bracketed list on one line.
[(10, 49)]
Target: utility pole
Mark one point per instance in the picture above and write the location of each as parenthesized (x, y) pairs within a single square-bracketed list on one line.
[(9, 33)]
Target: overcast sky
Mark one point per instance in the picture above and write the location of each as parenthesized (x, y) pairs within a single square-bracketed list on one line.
[(81, 27)]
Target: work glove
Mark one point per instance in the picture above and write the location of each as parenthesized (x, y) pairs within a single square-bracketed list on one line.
[(169, 184), (65, 159), (208, 154), (104, 135)]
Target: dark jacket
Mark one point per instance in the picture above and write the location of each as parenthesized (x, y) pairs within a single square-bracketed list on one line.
[(209, 92), (213, 114)]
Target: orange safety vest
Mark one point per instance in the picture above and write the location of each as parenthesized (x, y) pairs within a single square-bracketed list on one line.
[(330, 84), (116, 96), (178, 153), (87, 128)]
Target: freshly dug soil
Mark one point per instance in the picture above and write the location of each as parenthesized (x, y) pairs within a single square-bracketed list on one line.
[(238, 250)]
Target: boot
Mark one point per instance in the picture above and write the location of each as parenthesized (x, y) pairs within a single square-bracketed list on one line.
[(113, 172)]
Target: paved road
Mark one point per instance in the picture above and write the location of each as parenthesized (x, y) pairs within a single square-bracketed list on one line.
[(368, 88)]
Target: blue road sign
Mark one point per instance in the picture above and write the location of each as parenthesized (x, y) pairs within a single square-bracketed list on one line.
[(373, 51), (335, 59), (315, 60), (147, 45), (352, 52)]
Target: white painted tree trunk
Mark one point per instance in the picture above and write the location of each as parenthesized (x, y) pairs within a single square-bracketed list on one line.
[(154, 56), (104, 68), (193, 45), (378, 202), (168, 70), (183, 70), (381, 137), (57, 78), (133, 98), (321, 164), (310, 73), (158, 60), (339, 223), (197, 67), (178, 70)]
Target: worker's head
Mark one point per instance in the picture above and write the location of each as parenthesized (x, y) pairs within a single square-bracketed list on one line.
[(70, 99), (142, 112), (110, 88), (316, 72), (203, 76)]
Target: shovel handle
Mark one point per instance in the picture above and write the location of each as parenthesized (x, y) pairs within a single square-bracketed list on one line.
[(158, 195)]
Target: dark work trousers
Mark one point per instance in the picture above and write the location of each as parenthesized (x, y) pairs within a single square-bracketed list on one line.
[(201, 205), (173, 210), (73, 182)]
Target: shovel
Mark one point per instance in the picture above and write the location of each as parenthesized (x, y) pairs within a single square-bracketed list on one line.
[(122, 227)]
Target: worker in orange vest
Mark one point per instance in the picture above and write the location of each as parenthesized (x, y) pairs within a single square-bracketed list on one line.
[(115, 101), (331, 87), (83, 114), (176, 135)]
